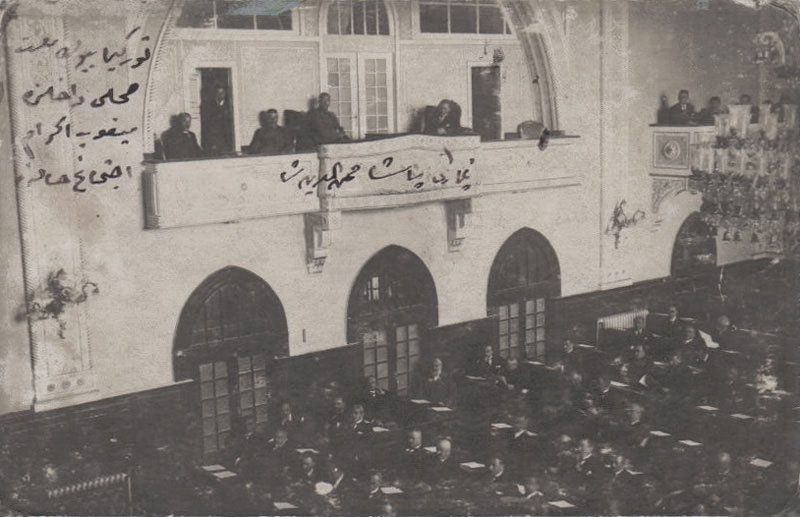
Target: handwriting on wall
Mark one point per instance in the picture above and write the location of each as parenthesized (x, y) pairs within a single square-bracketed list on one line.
[(385, 168), (77, 108)]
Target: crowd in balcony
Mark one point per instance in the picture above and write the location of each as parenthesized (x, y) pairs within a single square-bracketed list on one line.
[(683, 112), (303, 131)]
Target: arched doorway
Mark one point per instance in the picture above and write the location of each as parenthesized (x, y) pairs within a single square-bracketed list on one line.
[(230, 331), (392, 305), (695, 249), (524, 277)]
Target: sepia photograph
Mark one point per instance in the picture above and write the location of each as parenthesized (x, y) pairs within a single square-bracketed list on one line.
[(400, 258)]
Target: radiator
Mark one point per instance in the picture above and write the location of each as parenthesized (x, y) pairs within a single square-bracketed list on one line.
[(621, 321)]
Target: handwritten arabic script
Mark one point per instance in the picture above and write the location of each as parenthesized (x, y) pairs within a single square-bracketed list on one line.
[(71, 105)]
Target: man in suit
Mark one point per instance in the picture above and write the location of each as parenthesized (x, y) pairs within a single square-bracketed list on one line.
[(487, 365), (271, 138), (442, 466), (724, 333), (411, 462), (376, 400), (683, 111), (692, 347), (325, 127), (178, 143), (293, 424), (309, 474), (714, 108), (217, 117), (499, 482), (639, 333), (514, 377), (437, 387)]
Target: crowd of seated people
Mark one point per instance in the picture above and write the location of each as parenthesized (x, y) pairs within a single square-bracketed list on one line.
[(660, 422), (683, 112)]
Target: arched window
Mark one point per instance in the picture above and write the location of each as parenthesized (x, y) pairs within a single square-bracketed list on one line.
[(231, 329), (695, 249), (358, 17), (524, 276), (392, 305)]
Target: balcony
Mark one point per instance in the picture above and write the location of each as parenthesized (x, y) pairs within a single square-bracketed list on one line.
[(394, 171), (188, 193)]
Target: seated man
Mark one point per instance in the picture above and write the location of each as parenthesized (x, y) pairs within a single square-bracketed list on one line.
[(374, 399), (271, 138), (714, 108), (683, 111), (324, 126), (411, 461), (744, 99), (178, 143), (514, 377), (692, 347), (723, 333), (498, 480), (638, 334), (437, 387), (487, 365), (445, 120), (442, 467)]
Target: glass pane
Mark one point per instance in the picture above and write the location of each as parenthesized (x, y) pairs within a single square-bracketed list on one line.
[(333, 80), (344, 17), (205, 372), (333, 20), (401, 333), (372, 19), (383, 108), (402, 366), (383, 383), (413, 347), (402, 349), (540, 305), (540, 334), (382, 354), (369, 356), (358, 17), (530, 308), (344, 81), (344, 65), (224, 422), (220, 369), (530, 321), (261, 379), (197, 14), (383, 19), (260, 396), (463, 19), (209, 408), (432, 18), (370, 79), (245, 382), (514, 310), (503, 312), (209, 426), (259, 362), (513, 340), (530, 336), (222, 387), (333, 63), (541, 350), (372, 124), (383, 122), (369, 64), (279, 22), (402, 381), (413, 331), (223, 405), (206, 390), (380, 66), (503, 327), (540, 320), (228, 17), (383, 371), (413, 363), (261, 414), (371, 107), (246, 400), (244, 364), (491, 20), (503, 342)]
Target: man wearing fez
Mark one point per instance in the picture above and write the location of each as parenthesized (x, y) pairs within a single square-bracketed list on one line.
[(178, 142), (271, 138), (683, 111), (325, 127)]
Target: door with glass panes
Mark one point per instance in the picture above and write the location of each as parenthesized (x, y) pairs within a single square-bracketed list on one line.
[(361, 88), (394, 359)]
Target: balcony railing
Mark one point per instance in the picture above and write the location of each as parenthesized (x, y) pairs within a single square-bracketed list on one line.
[(394, 171)]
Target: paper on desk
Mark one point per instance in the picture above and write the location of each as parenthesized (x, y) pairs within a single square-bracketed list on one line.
[(284, 506), (475, 378), (758, 462), (379, 429), (389, 490), (741, 416), (690, 443), (304, 451), (660, 433), (707, 408), (473, 465), (730, 352), (619, 384), (441, 409), (561, 504), (659, 364), (585, 346), (710, 343), (500, 425), (213, 468), (420, 401), (431, 448), (224, 474)]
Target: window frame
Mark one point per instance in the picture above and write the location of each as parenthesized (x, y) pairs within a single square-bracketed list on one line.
[(197, 33), (419, 34)]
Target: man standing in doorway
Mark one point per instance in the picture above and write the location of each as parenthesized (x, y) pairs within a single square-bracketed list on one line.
[(325, 127), (217, 122)]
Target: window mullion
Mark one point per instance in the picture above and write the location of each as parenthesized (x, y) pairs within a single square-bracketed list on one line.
[(352, 17), (214, 7)]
